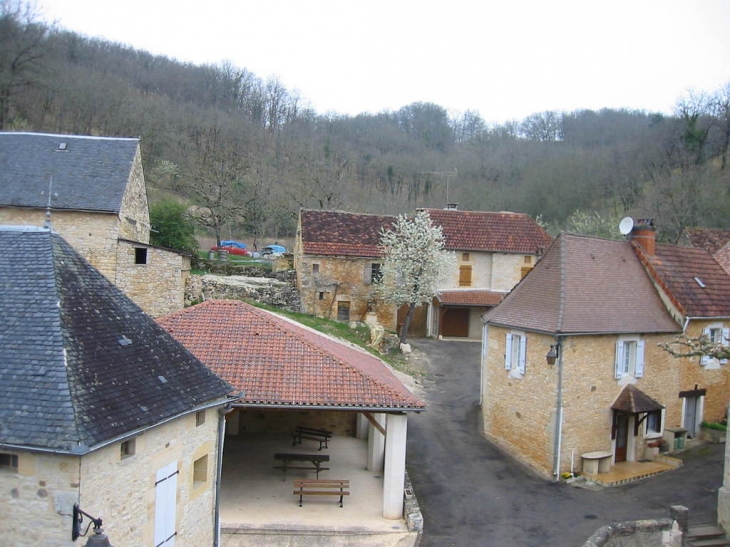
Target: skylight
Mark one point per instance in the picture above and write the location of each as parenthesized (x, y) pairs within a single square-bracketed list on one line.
[(699, 282)]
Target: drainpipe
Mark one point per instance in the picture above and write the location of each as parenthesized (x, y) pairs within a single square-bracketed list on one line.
[(558, 412), (219, 470)]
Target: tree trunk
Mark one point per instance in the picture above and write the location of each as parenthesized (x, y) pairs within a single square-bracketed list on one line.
[(407, 323)]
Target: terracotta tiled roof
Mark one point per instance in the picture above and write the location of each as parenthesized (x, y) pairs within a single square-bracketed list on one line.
[(633, 400), (336, 233), (709, 239), (278, 362), (470, 298), (585, 285), (490, 231), (695, 279)]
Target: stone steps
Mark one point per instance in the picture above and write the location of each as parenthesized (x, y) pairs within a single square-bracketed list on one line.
[(707, 536)]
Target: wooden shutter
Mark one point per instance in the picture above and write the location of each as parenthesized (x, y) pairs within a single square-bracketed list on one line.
[(618, 365), (523, 353), (464, 276), (705, 359), (165, 505), (508, 351), (639, 359)]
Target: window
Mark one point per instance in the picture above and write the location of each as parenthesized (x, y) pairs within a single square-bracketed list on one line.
[(373, 273), (465, 257), (8, 462), (716, 334), (128, 448), (528, 259), (200, 471), (653, 423), (140, 255), (629, 358), (321, 296), (515, 356), (315, 269), (199, 418), (464, 276), (343, 310)]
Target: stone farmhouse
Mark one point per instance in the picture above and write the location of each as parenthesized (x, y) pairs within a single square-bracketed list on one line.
[(571, 362), (290, 376), (337, 259), (99, 407), (94, 190)]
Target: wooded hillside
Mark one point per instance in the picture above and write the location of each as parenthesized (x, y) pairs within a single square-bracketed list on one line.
[(248, 149)]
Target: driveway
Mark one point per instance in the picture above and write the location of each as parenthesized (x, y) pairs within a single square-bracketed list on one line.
[(472, 494)]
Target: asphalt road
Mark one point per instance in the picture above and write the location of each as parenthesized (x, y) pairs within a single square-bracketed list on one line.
[(473, 494)]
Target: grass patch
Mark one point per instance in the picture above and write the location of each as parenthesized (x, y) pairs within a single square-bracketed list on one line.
[(714, 425)]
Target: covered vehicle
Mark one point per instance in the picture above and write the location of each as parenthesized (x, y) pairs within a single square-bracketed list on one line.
[(273, 249), (233, 247)]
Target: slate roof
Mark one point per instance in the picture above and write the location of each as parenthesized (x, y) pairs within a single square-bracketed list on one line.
[(337, 233), (80, 363), (490, 231), (697, 281), (91, 174), (585, 285), (469, 298), (280, 363)]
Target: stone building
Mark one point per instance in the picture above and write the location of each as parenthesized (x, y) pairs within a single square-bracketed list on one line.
[(337, 259), (99, 406), (94, 190), (571, 362)]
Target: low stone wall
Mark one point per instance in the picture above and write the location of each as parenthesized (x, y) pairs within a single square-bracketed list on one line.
[(666, 532), (277, 290)]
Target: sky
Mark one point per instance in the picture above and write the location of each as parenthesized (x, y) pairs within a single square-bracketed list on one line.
[(505, 59)]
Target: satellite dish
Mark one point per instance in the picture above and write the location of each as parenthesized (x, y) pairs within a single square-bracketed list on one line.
[(626, 225)]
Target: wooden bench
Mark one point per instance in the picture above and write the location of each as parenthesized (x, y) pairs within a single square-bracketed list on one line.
[(311, 434), (322, 487), (315, 459)]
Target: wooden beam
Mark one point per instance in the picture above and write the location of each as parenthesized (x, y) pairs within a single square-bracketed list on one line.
[(375, 423)]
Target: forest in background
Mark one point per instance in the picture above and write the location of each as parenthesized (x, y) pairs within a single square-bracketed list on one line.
[(245, 153)]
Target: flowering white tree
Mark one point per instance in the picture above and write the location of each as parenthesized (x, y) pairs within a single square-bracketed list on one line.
[(702, 346), (415, 263)]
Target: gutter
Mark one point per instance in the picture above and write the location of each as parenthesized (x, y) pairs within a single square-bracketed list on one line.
[(278, 406), (219, 468), (558, 412)]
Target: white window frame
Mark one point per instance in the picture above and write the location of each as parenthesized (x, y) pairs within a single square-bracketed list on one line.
[(651, 434), (724, 332), (515, 354), (629, 359)]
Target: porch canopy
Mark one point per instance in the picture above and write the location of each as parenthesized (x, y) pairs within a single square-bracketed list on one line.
[(633, 401), (280, 364)]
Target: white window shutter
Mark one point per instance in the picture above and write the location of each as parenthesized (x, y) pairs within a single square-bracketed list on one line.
[(619, 355), (705, 358), (725, 342), (367, 274), (639, 358), (508, 351), (523, 353), (165, 505)]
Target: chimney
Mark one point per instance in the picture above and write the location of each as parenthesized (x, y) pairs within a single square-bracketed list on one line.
[(452, 206), (644, 234)]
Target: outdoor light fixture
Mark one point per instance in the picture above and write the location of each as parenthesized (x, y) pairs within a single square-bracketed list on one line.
[(552, 355), (99, 539)]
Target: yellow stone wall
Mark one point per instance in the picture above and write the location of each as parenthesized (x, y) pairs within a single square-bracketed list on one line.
[(36, 502)]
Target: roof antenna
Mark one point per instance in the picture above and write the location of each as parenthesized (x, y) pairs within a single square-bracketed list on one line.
[(48, 208)]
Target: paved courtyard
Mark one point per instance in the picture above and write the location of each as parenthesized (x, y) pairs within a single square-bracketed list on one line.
[(472, 494)]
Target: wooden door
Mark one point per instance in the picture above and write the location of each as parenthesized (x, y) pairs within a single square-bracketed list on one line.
[(690, 416), (455, 322), (622, 436)]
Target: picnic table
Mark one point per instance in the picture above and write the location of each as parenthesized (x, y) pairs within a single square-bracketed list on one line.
[(286, 461)]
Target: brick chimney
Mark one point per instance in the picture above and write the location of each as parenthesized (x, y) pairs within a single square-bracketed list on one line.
[(644, 234)]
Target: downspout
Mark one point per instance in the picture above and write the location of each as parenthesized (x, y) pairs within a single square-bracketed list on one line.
[(558, 412), (222, 411)]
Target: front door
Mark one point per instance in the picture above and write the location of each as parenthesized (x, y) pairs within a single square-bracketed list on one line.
[(622, 436), (690, 415), (455, 322)]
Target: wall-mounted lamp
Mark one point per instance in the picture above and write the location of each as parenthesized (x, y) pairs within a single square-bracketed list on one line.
[(552, 355), (99, 539)]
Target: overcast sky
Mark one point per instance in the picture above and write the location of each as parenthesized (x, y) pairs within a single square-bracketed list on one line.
[(506, 59)]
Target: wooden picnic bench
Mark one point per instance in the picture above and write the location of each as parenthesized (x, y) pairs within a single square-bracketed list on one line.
[(321, 487), (321, 435), (315, 459)]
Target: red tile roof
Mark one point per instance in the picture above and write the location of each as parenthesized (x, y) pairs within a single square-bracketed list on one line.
[(585, 285), (469, 298), (336, 233), (490, 231), (278, 362), (709, 239), (695, 279)]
